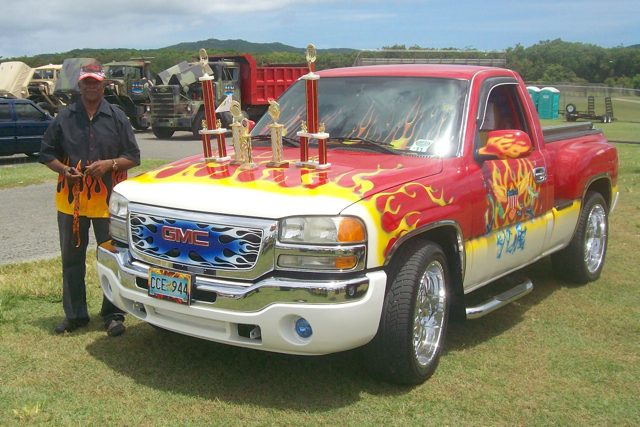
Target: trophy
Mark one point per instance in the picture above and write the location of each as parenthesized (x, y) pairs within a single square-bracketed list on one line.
[(311, 129), (212, 125), (236, 113), (245, 146), (276, 137)]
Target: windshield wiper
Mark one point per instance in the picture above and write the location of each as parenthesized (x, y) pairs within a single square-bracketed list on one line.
[(267, 137), (379, 146)]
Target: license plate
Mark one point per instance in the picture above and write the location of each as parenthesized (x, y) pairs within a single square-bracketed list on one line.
[(170, 285)]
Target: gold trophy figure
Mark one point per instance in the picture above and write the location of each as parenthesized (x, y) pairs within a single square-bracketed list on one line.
[(276, 137), (245, 147), (236, 113)]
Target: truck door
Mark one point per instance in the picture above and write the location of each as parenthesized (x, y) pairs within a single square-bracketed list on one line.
[(31, 124), (511, 214), (7, 130)]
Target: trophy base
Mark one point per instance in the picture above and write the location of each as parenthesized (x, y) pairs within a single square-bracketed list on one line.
[(313, 165), (217, 159), (248, 166), (278, 164), (236, 162)]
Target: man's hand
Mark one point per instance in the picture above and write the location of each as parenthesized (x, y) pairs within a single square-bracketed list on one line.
[(72, 175), (96, 169)]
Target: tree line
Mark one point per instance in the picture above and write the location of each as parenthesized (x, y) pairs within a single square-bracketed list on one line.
[(549, 61)]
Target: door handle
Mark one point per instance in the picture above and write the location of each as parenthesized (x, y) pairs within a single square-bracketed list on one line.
[(540, 175)]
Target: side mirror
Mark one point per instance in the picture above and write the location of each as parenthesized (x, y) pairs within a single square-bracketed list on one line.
[(505, 144)]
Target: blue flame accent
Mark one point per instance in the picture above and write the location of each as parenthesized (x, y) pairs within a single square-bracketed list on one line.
[(229, 247)]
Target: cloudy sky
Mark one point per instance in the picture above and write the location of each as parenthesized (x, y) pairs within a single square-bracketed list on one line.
[(57, 26)]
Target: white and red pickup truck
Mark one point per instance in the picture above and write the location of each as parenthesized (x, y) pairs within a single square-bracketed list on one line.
[(440, 182)]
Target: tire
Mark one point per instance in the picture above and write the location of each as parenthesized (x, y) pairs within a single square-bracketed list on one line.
[(582, 261), (226, 119), (196, 126), (162, 133), (47, 107), (413, 325), (135, 122), (571, 108)]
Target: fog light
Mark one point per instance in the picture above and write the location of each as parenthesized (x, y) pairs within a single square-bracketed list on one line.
[(303, 328)]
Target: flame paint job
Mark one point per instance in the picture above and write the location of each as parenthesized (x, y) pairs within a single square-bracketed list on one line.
[(513, 193), (94, 195), (399, 210), (507, 145)]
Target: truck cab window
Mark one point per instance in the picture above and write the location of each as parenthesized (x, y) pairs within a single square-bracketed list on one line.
[(28, 112), (503, 111), (5, 114)]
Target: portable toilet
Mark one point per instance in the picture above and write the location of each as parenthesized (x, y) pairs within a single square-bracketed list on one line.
[(548, 103), (534, 92)]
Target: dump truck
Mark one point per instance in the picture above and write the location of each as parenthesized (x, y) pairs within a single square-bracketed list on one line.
[(176, 100), (127, 86)]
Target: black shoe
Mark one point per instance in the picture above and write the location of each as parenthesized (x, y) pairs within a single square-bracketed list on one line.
[(68, 325), (115, 328)]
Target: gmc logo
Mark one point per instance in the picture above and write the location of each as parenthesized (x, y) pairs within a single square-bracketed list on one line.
[(194, 237)]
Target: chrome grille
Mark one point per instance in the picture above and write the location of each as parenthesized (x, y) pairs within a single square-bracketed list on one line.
[(195, 241)]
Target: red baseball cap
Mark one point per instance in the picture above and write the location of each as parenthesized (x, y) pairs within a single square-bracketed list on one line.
[(93, 70)]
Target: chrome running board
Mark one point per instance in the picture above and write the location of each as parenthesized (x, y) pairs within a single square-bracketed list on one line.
[(523, 287)]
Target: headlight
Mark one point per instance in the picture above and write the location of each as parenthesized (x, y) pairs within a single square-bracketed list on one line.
[(118, 205), (321, 230)]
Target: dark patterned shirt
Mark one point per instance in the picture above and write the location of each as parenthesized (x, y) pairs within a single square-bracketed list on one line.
[(77, 141)]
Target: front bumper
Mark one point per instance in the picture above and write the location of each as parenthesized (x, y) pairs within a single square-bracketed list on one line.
[(343, 314)]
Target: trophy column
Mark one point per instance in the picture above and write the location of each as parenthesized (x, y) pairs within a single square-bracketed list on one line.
[(311, 129), (212, 125)]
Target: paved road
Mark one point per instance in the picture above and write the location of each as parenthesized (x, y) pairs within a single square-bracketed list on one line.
[(28, 227)]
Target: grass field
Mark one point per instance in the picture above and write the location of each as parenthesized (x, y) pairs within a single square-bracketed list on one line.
[(562, 355), (23, 174)]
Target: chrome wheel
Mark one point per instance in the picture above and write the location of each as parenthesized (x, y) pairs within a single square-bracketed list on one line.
[(595, 238), (429, 314)]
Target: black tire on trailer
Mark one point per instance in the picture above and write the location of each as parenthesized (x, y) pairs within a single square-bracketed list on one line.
[(583, 259), (413, 324), (196, 126), (162, 133), (47, 107), (571, 108)]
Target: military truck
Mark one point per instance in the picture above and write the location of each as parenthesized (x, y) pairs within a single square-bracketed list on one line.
[(18, 80), (176, 100), (14, 79), (66, 87), (127, 86), (42, 86)]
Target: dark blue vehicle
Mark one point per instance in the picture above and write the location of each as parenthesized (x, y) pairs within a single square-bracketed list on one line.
[(22, 124)]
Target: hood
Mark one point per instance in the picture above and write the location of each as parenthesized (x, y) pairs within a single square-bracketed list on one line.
[(195, 185)]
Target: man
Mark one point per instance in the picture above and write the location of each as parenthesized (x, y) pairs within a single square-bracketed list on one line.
[(91, 145)]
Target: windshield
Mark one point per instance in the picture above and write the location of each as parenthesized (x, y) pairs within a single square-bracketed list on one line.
[(122, 71), (411, 114)]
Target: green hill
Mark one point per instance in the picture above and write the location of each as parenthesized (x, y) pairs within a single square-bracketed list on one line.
[(249, 47)]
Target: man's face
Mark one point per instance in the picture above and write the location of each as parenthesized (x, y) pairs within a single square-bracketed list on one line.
[(91, 89)]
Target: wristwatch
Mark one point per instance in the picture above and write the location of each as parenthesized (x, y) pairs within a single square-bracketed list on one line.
[(115, 165)]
